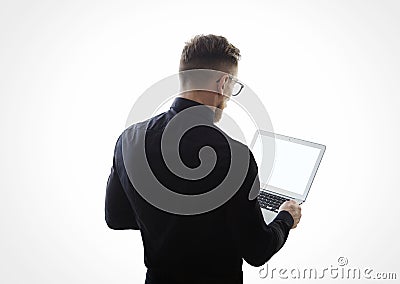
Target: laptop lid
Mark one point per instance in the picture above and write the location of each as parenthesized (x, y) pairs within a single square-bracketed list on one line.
[(286, 165)]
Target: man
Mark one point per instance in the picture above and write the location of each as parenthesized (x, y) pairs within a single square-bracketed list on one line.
[(207, 247)]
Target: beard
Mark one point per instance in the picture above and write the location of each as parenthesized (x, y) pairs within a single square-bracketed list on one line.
[(218, 111)]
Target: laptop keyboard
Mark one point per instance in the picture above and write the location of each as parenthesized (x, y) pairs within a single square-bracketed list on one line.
[(270, 201)]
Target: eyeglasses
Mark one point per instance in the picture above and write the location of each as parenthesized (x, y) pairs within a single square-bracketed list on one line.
[(237, 86)]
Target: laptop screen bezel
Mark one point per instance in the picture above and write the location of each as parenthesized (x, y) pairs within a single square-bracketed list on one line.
[(284, 192)]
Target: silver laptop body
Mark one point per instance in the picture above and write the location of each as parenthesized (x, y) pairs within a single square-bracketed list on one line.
[(286, 169)]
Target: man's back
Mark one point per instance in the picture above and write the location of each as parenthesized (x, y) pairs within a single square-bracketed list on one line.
[(203, 246)]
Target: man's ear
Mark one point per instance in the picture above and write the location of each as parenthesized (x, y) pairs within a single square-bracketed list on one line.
[(222, 83)]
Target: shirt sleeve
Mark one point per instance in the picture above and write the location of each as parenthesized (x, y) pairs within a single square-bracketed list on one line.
[(119, 214), (257, 241)]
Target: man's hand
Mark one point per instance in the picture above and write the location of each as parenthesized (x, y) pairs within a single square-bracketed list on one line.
[(294, 209)]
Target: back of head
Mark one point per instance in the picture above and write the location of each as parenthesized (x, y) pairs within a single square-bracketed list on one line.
[(209, 52)]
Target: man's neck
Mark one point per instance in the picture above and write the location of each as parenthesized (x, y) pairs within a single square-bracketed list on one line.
[(203, 97)]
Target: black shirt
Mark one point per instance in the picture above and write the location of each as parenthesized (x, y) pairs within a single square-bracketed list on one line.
[(203, 247)]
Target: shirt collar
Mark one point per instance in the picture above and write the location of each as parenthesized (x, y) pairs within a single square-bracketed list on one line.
[(180, 104)]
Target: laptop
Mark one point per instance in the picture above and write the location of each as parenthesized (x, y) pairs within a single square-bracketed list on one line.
[(286, 169)]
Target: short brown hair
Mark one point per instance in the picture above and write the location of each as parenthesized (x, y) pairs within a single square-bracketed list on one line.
[(209, 52)]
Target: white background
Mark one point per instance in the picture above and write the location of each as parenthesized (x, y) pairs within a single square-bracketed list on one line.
[(327, 71)]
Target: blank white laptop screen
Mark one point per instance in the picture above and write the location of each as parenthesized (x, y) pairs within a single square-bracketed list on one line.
[(292, 166)]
